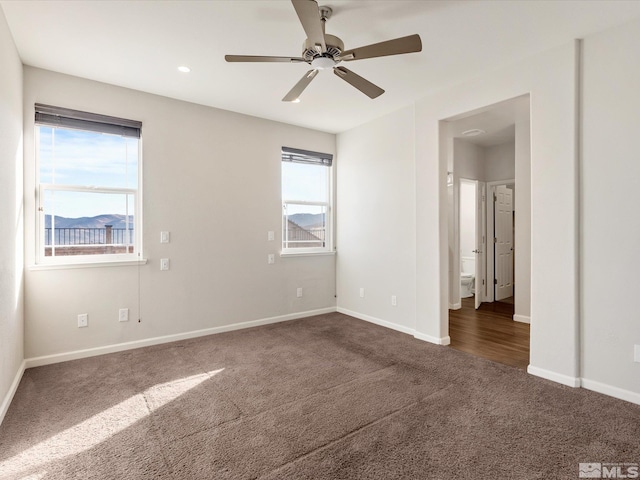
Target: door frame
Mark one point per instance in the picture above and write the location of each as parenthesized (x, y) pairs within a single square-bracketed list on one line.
[(481, 260), (490, 251), (481, 241)]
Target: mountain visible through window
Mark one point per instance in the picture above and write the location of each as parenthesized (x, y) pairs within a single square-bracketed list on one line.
[(88, 195), (306, 201)]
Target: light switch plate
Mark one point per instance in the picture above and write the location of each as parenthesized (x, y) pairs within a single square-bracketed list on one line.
[(123, 315), (165, 237), (164, 264), (636, 353), (83, 320), (271, 236), (271, 259)]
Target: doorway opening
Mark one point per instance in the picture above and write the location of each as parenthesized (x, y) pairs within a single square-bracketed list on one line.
[(489, 284)]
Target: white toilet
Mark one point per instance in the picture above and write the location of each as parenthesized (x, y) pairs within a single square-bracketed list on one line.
[(467, 276)]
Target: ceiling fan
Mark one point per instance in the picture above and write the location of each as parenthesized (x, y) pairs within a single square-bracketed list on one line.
[(323, 51)]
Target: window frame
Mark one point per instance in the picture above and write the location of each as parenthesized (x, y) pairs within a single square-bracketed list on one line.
[(41, 259), (324, 161)]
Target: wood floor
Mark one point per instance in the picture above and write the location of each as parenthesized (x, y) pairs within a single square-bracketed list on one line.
[(490, 332)]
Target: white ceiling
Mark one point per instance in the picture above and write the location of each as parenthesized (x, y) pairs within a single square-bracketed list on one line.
[(498, 122), (140, 44)]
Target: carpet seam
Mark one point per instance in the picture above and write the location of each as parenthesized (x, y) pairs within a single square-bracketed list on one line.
[(350, 434), (355, 431), (245, 416)]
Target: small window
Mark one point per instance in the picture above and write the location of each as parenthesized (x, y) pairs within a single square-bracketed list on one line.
[(306, 201), (89, 201)]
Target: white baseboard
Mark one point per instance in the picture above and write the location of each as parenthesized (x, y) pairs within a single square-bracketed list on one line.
[(395, 326), (118, 347), (6, 401), (522, 318), (615, 392), (455, 306), (377, 321), (554, 377), (428, 338)]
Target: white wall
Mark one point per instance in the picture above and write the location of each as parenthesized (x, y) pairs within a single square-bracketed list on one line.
[(11, 212), (393, 177), (550, 78), (211, 178), (376, 221), (610, 233)]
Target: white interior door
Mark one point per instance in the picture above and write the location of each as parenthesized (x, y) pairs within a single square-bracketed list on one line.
[(503, 242)]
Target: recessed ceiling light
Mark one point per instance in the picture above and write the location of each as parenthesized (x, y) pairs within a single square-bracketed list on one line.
[(297, 100), (184, 69), (474, 132)]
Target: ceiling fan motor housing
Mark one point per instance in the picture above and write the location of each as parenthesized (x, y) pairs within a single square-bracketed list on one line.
[(335, 47)]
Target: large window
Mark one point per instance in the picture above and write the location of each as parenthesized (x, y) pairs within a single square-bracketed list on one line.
[(306, 201), (89, 205)]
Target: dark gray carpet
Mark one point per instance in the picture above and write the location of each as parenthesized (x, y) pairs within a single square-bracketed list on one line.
[(327, 397)]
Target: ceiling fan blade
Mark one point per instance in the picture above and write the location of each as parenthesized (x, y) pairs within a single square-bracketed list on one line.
[(365, 86), (257, 58), (409, 44), (309, 15), (299, 87)]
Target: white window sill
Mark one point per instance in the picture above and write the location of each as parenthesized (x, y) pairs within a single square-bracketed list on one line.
[(64, 266), (306, 254)]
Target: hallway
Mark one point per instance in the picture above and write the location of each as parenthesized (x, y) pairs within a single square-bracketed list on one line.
[(490, 332)]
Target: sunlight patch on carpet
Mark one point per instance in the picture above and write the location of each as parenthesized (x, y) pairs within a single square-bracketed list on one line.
[(98, 428)]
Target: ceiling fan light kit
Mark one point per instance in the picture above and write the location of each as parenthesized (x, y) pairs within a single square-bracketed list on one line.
[(323, 51)]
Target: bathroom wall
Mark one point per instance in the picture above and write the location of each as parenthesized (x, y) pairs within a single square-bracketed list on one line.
[(467, 219)]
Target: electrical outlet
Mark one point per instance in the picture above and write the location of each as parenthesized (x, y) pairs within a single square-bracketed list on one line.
[(271, 259), (636, 353), (394, 300), (299, 292), (165, 237), (83, 320), (123, 315), (361, 292), (164, 264), (271, 236)]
